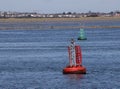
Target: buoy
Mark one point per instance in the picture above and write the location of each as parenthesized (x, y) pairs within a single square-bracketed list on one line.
[(75, 60), (82, 35)]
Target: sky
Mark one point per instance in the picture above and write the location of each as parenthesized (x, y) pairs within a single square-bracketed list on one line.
[(59, 6)]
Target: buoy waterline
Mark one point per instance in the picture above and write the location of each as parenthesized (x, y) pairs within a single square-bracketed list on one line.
[(75, 60)]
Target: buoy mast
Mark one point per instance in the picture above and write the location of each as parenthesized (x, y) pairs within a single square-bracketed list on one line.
[(72, 55), (75, 55)]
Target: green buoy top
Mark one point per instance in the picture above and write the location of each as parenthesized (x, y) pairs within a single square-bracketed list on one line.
[(82, 35)]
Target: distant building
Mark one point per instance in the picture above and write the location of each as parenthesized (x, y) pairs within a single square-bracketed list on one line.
[(56, 15)]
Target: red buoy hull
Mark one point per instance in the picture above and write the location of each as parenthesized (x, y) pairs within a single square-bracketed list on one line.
[(74, 70)]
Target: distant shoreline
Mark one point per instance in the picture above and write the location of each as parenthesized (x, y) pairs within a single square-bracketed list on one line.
[(11, 23), (57, 19)]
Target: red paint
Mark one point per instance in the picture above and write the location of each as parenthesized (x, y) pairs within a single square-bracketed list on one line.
[(74, 70), (78, 55)]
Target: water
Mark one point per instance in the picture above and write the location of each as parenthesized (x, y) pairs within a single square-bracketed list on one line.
[(34, 59)]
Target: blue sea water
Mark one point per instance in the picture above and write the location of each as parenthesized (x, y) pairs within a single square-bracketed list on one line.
[(34, 59)]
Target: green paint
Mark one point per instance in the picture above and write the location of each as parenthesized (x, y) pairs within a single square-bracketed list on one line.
[(82, 34)]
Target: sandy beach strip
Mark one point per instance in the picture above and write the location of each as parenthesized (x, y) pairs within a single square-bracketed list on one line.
[(13, 21), (57, 19)]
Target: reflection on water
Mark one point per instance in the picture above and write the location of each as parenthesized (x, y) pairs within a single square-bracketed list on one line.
[(75, 76)]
